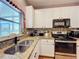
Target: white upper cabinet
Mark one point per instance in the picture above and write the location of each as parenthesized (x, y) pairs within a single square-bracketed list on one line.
[(29, 16), (56, 13), (72, 13), (44, 17)]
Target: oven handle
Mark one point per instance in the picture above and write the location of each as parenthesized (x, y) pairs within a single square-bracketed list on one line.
[(65, 41)]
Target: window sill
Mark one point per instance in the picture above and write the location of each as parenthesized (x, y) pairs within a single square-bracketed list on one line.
[(10, 37)]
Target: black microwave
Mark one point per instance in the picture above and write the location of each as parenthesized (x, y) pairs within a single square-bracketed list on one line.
[(61, 23)]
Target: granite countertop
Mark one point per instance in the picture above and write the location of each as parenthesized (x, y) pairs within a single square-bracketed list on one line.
[(28, 52), (36, 39)]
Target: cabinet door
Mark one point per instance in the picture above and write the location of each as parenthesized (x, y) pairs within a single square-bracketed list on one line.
[(57, 13), (47, 41), (72, 13), (47, 50), (32, 55), (35, 53), (43, 19), (29, 16), (47, 47), (77, 52)]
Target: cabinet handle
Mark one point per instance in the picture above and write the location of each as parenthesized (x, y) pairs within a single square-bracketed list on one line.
[(35, 54)]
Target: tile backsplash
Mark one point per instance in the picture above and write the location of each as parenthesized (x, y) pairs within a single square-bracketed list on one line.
[(6, 43), (9, 40)]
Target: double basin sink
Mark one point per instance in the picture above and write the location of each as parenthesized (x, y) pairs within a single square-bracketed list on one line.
[(20, 47)]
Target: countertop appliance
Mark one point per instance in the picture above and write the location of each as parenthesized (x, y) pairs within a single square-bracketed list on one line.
[(36, 33), (61, 23)]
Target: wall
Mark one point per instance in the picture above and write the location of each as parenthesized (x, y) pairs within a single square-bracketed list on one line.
[(44, 17), (20, 3)]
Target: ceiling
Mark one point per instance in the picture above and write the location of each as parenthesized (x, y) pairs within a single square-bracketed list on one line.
[(51, 3)]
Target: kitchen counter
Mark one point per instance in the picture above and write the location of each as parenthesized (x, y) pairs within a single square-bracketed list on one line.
[(18, 55), (28, 52)]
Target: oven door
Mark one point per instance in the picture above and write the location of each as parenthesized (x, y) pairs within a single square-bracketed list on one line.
[(69, 48)]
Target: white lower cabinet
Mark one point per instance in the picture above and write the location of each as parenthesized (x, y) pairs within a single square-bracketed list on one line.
[(47, 50), (77, 52), (35, 53), (47, 47), (32, 55)]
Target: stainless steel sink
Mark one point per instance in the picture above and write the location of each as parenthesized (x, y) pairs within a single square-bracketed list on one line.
[(26, 42), (11, 50), (20, 47), (23, 46)]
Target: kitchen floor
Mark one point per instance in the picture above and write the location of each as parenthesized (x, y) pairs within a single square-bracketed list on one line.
[(45, 58), (64, 57), (58, 57)]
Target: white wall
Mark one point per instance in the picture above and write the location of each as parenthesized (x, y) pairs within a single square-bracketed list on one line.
[(44, 17)]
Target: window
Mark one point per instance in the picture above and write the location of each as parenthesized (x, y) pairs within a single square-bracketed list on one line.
[(9, 20), (4, 27)]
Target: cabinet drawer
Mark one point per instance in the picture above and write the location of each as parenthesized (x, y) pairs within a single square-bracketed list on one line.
[(50, 41), (43, 41), (47, 41)]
